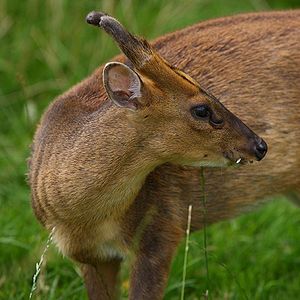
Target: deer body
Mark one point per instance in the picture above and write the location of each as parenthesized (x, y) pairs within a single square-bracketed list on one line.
[(98, 171)]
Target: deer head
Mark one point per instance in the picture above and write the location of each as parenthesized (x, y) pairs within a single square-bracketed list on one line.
[(179, 120)]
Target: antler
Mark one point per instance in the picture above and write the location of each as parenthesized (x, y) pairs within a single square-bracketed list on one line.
[(137, 50), (143, 57)]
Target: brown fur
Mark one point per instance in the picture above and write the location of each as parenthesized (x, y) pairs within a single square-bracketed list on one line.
[(98, 171), (102, 279)]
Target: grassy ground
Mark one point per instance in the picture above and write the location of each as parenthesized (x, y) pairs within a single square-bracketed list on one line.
[(46, 48)]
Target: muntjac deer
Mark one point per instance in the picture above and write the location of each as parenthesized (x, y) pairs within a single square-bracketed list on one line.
[(125, 145)]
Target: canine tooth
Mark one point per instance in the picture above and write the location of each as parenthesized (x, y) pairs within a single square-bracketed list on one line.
[(238, 161)]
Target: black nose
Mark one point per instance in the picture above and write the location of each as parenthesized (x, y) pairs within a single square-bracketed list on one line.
[(261, 149)]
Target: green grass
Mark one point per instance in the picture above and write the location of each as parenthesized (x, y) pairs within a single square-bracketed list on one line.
[(46, 47)]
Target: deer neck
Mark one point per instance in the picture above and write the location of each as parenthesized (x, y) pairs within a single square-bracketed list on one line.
[(122, 165)]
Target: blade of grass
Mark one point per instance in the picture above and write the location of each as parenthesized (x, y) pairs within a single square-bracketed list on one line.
[(186, 251), (204, 232)]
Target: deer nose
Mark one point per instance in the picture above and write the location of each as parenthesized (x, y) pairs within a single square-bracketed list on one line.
[(260, 149)]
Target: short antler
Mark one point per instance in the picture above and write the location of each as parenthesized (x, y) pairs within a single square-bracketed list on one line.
[(137, 50), (143, 57)]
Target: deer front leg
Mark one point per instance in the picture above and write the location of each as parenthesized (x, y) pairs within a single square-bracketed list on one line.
[(102, 280), (151, 266)]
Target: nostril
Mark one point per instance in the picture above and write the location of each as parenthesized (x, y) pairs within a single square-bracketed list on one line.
[(261, 150)]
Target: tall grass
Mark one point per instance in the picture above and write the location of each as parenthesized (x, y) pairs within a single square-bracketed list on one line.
[(45, 49)]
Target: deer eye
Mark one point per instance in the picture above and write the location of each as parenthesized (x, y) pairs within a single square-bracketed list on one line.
[(201, 111)]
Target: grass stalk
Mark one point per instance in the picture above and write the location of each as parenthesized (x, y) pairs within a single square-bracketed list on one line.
[(39, 264), (205, 233), (186, 251)]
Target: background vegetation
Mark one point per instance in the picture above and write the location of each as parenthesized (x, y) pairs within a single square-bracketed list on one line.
[(46, 47)]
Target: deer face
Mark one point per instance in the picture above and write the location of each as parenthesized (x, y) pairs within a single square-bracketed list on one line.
[(177, 119), (223, 139)]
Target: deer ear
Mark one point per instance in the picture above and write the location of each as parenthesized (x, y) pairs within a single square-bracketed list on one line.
[(122, 85)]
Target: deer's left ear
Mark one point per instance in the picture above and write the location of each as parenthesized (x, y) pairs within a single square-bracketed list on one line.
[(123, 85)]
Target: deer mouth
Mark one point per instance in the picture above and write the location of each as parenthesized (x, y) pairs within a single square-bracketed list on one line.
[(235, 160)]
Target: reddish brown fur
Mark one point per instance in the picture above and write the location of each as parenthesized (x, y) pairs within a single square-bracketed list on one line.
[(251, 63)]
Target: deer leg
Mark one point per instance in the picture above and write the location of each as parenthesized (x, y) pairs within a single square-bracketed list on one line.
[(151, 265), (101, 280)]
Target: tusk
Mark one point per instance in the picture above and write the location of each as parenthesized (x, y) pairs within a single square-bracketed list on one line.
[(238, 161)]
